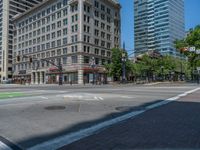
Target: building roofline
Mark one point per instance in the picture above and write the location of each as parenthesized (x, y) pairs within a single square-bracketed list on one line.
[(19, 16)]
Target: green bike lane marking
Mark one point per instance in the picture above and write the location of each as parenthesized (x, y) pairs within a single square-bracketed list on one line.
[(9, 95)]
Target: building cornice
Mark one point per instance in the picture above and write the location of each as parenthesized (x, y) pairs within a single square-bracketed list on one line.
[(19, 16)]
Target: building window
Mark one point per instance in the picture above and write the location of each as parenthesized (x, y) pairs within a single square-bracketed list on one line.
[(53, 26), (65, 60), (64, 51), (58, 42), (65, 31), (74, 8), (96, 4), (74, 59), (53, 17), (53, 35), (86, 59), (96, 51), (65, 11), (59, 24), (102, 7), (64, 41), (59, 5), (59, 33), (53, 53), (53, 44), (59, 52), (65, 2), (58, 14), (65, 21)]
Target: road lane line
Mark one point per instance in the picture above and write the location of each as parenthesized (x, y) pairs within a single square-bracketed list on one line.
[(75, 136), (43, 97), (127, 97), (7, 145), (4, 146), (101, 98)]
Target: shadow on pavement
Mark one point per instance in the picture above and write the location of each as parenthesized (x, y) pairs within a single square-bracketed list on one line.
[(173, 126)]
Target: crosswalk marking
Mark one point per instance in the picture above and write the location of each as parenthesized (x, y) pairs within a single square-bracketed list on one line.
[(83, 96)]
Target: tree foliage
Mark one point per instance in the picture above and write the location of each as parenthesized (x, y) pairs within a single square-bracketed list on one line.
[(162, 66), (147, 67), (115, 67), (192, 40)]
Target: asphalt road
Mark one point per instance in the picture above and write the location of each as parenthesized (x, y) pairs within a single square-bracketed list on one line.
[(170, 127), (44, 113)]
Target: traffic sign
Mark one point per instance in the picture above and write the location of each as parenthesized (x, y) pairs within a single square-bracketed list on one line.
[(195, 71), (192, 49), (198, 51)]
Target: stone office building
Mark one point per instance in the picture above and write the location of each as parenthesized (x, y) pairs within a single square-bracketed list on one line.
[(8, 9), (77, 33)]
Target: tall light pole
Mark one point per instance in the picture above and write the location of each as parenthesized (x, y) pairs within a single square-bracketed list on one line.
[(93, 64), (60, 72), (123, 64), (162, 71)]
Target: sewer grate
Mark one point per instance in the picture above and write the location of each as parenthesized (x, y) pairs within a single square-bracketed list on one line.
[(55, 108)]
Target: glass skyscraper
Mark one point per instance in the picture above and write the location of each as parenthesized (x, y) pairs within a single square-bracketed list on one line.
[(157, 24)]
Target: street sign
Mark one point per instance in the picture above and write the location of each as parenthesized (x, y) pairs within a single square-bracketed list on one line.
[(195, 71), (198, 51), (192, 49)]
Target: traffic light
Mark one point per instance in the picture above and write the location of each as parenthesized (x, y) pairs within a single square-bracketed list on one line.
[(18, 58), (30, 59)]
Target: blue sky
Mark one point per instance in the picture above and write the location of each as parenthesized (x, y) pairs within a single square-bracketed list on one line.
[(192, 18)]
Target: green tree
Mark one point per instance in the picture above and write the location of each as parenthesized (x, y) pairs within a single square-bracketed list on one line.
[(115, 67), (192, 39), (159, 67)]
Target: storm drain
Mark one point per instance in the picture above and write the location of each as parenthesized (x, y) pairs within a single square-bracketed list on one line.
[(55, 108)]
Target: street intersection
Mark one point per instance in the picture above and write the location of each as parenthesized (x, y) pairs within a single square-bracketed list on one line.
[(32, 117)]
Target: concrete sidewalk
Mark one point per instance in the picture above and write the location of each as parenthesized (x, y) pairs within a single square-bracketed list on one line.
[(174, 126)]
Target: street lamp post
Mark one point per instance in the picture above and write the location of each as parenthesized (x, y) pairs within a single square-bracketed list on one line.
[(123, 67), (162, 70), (93, 67), (181, 76), (60, 72), (196, 52)]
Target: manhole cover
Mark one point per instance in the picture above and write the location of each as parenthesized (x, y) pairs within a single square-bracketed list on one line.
[(55, 107)]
